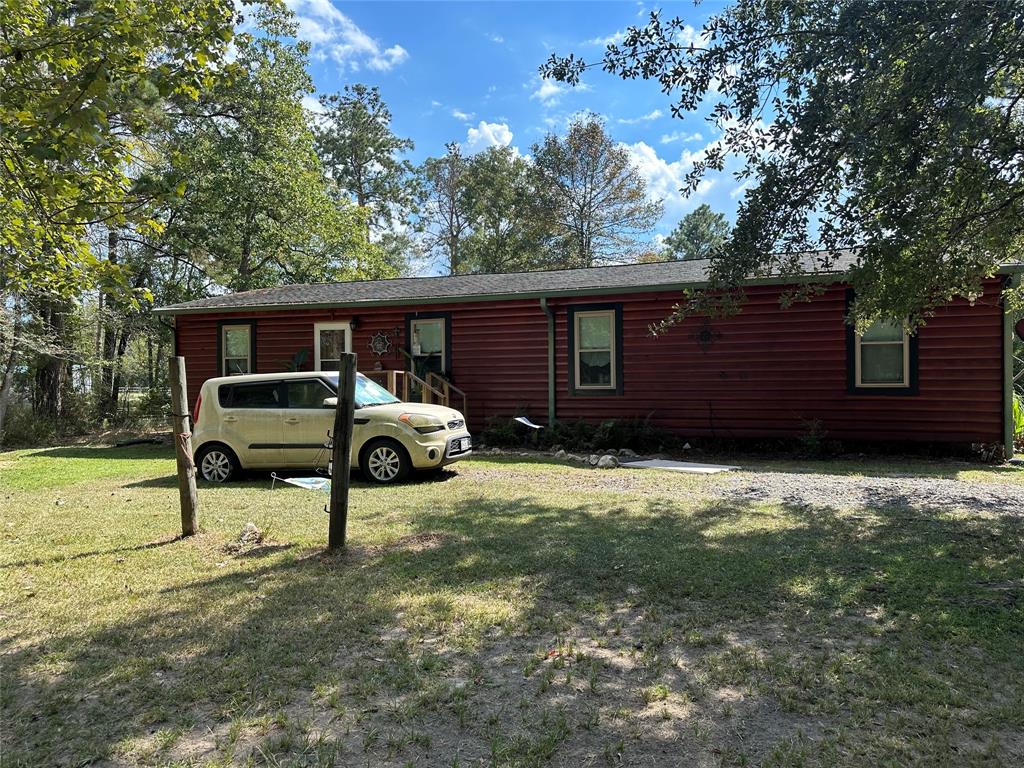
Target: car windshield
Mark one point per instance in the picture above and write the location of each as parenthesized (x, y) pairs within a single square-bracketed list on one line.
[(367, 392)]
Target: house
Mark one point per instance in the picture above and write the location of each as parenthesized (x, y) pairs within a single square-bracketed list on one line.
[(575, 344)]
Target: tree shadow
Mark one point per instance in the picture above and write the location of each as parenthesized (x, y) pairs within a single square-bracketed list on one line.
[(264, 637), (37, 561)]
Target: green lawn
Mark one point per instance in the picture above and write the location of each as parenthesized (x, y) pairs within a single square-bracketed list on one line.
[(514, 612)]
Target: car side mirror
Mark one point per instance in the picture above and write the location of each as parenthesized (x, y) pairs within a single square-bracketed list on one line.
[(330, 402)]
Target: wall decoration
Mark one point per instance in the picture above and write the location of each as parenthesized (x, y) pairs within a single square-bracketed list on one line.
[(706, 335), (380, 343)]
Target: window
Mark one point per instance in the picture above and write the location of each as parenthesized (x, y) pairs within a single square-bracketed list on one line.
[(330, 340), (883, 355), (236, 348), (882, 361), (257, 394), (307, 393), (427, 342), (595, 339)]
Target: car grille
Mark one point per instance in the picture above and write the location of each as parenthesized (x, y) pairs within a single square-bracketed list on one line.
[(456, 424)]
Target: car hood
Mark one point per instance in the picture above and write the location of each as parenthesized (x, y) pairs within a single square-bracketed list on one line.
[(394, 410)]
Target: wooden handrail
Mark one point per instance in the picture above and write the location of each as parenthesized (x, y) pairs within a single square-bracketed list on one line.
[(448, 388), (392, 386)]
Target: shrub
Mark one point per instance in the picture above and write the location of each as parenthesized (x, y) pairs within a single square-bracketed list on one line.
[(577, 435)]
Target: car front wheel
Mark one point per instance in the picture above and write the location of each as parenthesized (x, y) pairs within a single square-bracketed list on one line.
[(384, 462), (216, 463)]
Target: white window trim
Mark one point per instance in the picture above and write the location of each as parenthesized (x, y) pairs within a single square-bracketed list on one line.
[(577, 348), (860, 343), (224, 348), (444, 340), (329, 326)]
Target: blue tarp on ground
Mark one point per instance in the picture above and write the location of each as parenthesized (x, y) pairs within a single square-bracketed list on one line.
[(309, 483)]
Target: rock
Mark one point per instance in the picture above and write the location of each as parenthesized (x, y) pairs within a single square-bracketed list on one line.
[(250, 534), (686, 446), (629, 452), (607, 462), (575, 457), (560, 454), (593, 459), (558, 447)]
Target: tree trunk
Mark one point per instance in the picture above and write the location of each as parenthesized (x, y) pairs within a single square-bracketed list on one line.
[(53, 373), (7, 365), (107, 405)]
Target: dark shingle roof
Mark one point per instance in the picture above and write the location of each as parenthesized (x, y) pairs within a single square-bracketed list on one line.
[(592, 280)]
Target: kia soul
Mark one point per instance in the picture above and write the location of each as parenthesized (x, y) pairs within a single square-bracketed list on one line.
[(282, 421)]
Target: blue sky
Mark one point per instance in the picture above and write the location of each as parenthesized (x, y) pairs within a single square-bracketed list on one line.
[(467, 72)]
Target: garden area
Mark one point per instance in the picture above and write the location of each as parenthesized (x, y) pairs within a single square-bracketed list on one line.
[(514, 611)]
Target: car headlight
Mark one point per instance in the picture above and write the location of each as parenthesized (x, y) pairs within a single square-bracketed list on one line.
[(422, 423)]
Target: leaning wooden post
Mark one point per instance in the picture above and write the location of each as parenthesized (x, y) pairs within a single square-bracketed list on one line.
[(341, 458), (182, 436)]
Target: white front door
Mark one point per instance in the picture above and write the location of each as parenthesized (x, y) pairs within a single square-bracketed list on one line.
[(330, 340)]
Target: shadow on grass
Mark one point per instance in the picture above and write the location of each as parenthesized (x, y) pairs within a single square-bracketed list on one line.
[(259, 639), (105, 452), (262, 479), (84, 555)]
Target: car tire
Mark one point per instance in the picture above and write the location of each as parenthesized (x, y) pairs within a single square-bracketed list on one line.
[(385, 462), (216, 463)]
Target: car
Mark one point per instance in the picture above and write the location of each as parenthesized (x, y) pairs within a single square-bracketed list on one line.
[(282, 420)]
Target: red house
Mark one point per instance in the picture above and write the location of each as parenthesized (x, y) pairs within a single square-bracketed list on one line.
[(574, 344)]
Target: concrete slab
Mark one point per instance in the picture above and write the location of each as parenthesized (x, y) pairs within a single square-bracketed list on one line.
[(680, 466)]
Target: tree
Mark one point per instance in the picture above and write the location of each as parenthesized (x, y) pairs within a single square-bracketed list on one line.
[(893, 128), (510, 212), (83, 83), (256, 209), (444, 216), (699, 235), (363, 155), (600, 198)]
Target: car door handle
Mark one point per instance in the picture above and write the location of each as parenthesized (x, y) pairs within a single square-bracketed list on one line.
[(291, 420), (230, 418)]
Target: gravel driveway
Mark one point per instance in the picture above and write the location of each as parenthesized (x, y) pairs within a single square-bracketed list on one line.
[(860, 491)]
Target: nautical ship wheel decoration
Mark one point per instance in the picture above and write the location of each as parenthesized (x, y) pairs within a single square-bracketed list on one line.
[(380, 343), (706, 335)]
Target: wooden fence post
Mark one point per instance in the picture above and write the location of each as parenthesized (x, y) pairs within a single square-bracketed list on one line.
[(181, 434), (341, 458)]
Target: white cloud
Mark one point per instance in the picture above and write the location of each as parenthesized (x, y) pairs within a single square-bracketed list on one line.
[(549, 92), (615, 37), (496, 39), (334, 35), (487, 135), (312, 104), (653, 115), (458, 114), (668, 138), (664, 178)]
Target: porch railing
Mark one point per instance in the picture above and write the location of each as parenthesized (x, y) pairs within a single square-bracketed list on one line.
[(434, 389)]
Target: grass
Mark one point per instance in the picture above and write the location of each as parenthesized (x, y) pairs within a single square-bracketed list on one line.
[(512, 613)]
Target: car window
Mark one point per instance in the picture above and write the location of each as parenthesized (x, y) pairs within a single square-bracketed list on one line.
[(307, 393), (368, 392), (258, 394)]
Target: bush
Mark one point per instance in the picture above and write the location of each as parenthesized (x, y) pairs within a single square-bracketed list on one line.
[(577, 435)]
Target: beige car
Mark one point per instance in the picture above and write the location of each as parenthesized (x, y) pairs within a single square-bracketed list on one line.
[(282, 421)]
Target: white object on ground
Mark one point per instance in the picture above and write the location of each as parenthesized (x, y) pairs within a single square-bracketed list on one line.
[(679, 466), (309, 483), (527, 423)]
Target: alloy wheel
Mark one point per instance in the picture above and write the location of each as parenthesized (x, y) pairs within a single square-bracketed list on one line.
[(384, 463), (216, 466)]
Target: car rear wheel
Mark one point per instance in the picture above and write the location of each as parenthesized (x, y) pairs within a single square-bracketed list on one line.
[(217, 463), (385, 462)]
